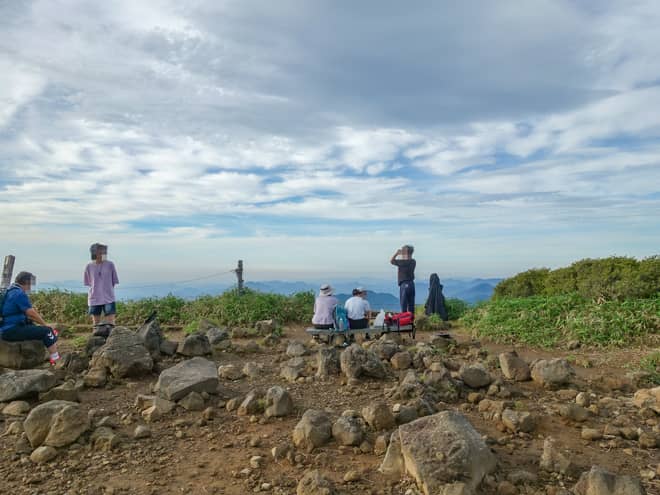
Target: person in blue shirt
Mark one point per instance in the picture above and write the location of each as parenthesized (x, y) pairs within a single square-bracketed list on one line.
[(19, 317)]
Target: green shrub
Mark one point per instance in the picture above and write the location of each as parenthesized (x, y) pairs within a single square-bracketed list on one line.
[(525, 284), (456, 308)]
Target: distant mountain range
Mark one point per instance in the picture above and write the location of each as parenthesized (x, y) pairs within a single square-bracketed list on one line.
[(382, 292)]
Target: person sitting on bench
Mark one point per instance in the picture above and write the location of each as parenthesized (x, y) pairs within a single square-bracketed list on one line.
[(324, 306), (18, 315), (358, 308)]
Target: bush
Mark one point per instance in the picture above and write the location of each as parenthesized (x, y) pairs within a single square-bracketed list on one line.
[(456, 308)]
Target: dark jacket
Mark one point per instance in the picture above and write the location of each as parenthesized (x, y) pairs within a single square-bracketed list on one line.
[(435, 304)]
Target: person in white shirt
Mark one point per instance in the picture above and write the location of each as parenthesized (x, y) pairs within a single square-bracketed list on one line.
[(358, 309)]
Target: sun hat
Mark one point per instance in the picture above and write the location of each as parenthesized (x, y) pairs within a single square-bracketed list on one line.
[(361, 290), (326, 290)]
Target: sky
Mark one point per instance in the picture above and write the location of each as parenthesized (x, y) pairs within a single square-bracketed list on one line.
[(312, 139)]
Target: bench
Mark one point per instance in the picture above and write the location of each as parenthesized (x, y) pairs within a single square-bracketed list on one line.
[(331, 333)]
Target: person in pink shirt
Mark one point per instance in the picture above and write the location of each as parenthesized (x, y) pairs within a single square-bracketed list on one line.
[(101, 277)]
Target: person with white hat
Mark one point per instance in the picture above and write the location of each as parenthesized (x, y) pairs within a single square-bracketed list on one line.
[(324, 307), (358, 308)]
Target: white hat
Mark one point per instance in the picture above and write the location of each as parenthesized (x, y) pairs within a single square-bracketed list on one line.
[(361, 290), (326, 290)]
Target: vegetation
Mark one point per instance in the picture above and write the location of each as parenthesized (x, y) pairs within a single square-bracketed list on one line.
[(651, 365), (614, 278), (548, 320), (229, 308)]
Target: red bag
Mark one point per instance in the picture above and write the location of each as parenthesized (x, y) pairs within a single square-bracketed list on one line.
[(399, 319)]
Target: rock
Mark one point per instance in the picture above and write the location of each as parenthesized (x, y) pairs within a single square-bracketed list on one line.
[(443, 453), (591, 434), (293, 369), (313, 430), (582, 399), (648, 398), (251, 370), (252, 404), (513, 367), (123, 355), (349, 429), (278, 402), (506, 488), (74, 363), (475, 375), (151, 337), (230, 372), (649, 440), (44, 453), (552, 373), (356, 362), (14, 428), (96, 378), (193, 375), (16, 408), (151, 414), (352, 476), (141, 431), (518, 421), (401, 360), (68, 391), (195, 344), (23, 383), (21, 355), (104, 439), (216, 336), (574, 412), (296, 349), (393, 463), (168, 347), (94, 343), (192, 402), (598, 481), (555, 461), (313, 483), (327, 362), (265, 327), (381, 443), (384, 348), (379, 416), (406, 414), (55, 423), (256, 461)]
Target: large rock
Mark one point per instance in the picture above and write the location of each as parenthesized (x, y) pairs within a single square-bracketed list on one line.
[(293, 369), (23, 383), (217, 336), (313, 483), (152, 338), (475, 375), (196, 344), (193, 375), (349, 429), (313, 430), (648, 398), (278, 402), (21, 355), (552, 373), (443, 453), (356, 362), (379, 416), (327, 362), (384, 348), (56, 423), (513, 367), (123, 355), (600, 482)]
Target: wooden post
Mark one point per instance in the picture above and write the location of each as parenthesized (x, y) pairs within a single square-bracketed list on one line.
[(7, 271), (239, 276)]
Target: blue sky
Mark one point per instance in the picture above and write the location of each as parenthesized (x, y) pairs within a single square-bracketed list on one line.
[(311, 139)]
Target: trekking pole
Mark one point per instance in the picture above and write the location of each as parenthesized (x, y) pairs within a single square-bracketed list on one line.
[(7, 271)]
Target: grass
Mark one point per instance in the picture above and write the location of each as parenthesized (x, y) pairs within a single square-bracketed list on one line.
[(553, 320), (651, 365)]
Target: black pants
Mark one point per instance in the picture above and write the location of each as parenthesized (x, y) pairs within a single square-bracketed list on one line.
[(357, 324), (320, 326), (407, 296), (24, 331)]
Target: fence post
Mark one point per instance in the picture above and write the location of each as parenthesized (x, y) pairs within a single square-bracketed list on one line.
[(7, 271), (239, 276)]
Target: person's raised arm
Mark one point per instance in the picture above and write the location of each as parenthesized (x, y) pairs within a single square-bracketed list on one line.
[(393, 259)]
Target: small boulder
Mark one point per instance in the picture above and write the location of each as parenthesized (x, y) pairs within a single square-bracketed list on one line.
[(16, 408), (21, 355), (278, 402), (251, 370), (293, 369), (513, 367), (552, 373), (313, 430), (230, 372), (151, 337), (313, 483), (196, 344), (475, 375), (598, 481), (648, 398), (265, 327), (379, 416), (67, 391), (123, 355), (252, 404), (574, 412), (192, 402), (104, 439), (401, 360), (216, 336), (356, 362), (296, 349), (141, 431), (327, 362), (23, 383), (554, 460), (193, 375), (349, 429), (518, 421), (55, 423), (43, 454)]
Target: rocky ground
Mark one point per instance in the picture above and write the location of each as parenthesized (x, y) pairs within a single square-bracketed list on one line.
[(224, 414)]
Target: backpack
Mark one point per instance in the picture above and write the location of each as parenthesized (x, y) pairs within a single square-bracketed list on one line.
[(3, 297), (341, 318), (399, 319)]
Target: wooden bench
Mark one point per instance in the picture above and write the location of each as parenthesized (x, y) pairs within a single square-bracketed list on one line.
[(331, 333)]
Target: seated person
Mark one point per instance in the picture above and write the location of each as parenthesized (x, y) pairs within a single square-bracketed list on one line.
[(18, 315), (358, 309), (324, 307)]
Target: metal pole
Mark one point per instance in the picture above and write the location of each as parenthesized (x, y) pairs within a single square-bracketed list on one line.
[(239, 276), (7, 271)]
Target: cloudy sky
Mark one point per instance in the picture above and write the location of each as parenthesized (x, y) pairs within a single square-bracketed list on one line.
[(312, 138)]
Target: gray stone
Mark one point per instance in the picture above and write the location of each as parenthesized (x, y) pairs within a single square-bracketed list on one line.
[(648, 398), (591, 434), (252, 404), (444, 454), (278, 402), (293, 369), (123, 355), (55, 423), (513, 367), (555, 461), (230, 372), (192, 402), (475, 375), (349, 430), (552, 373), (16, 408), (151, 337), (94, 343), (379, 416), (96, 378), (519, 421), (21, 355), (193, 375), (574, 412), (598, 481), (43, 454), (168, 347), (384, 348), (23, 383), (104, 439), (251, 370), (74, 363), (195, 344), (393, 463), (401, 360), (217, 336), (67, 391), (327, 362), (356, 362), (406, 414), (313, 483), (313, 430), (141, 431), (265, 327), (296, 349)]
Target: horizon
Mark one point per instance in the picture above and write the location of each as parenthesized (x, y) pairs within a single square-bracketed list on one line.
[(311, 140)]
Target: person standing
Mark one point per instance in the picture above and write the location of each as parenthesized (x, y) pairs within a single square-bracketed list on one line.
[(18, 317), (101, 277), (405, 263)]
